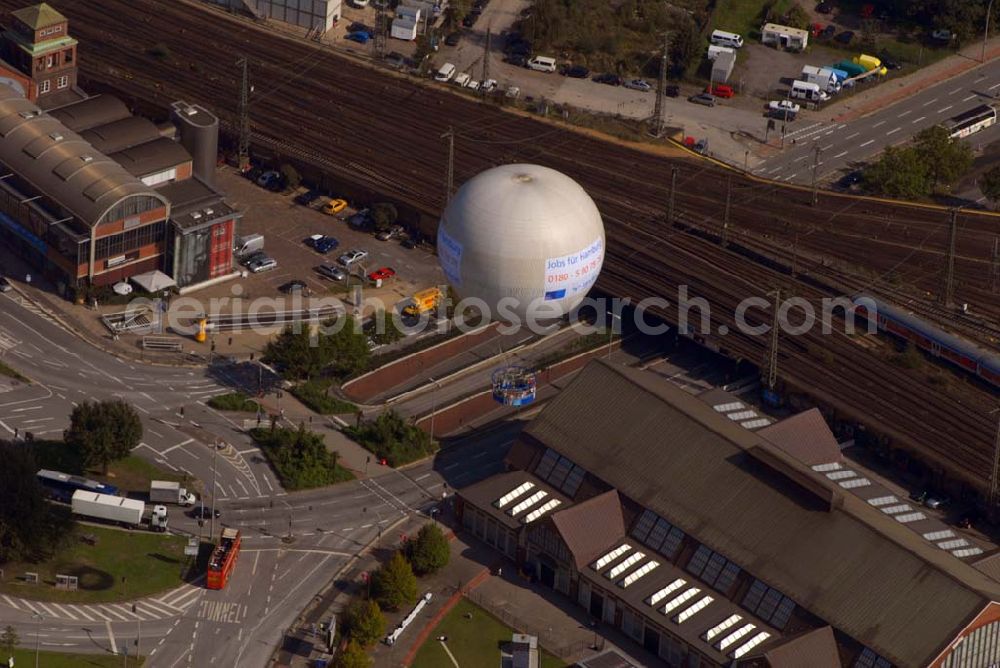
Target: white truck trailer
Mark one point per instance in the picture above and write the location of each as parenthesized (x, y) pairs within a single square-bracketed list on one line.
[(128, 512), (165, 491)]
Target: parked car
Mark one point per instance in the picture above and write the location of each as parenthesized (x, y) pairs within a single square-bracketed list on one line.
[(294, 286), (247, 260), (361, 219), (462, 79), (395, 59), (266, 177), (638, 84), (516, 59), (472, 85), (609, 79), (828, 32), (942, 35), (889, 62), (575, 71), (361, 37), (783, 106), (334, 206), (816, 29), (331, 271), (513, 92), (5, 285), (409, 243), (489, 85), (936, 501), (672, 90), (453, 39), (352, 257), (205, 513), (307, 198), (263, 264), (521, 48), (392, 233), (703, 98), (322, 243), (845, 37), (721, 90), (824, 7), (851, 179), (382, 274), (470, 19)]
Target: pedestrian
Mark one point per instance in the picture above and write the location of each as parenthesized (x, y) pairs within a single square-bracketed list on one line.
[(27, 279), (16, 430)]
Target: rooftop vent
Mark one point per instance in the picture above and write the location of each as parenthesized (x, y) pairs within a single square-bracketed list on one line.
[(196, 215), (209, 212), (56, 136), (87, 158), (27, 114)]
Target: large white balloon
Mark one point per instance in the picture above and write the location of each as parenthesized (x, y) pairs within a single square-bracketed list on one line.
[(522, 238)]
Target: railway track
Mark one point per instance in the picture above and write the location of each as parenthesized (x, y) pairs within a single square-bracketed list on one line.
[(378, 132)]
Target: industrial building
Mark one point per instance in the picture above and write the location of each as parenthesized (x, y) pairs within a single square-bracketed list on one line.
[(38, 57), (314, 15), (92, 195), (713, 535)]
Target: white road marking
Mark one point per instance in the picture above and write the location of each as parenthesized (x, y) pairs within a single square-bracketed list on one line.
[(10, 602), (993, 86), (966, 99), (2, 424), (878, 124), (904, 113), (892, 131), (801, 157), (952, 92), (944, 109), (917, 120), (870, 141), (823, 148), (111, 638), (840, 155), (842, 126), (929, 102), (66, 613)]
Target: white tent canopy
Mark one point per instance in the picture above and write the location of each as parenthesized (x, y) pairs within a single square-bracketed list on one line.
[(153, 281)]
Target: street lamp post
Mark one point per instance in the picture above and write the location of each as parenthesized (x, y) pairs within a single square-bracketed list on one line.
[(138, 634), (986, 31), (215, 455), (38, 627)]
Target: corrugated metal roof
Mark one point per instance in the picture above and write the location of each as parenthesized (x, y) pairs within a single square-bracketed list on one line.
[(806, 437), (152, 157), (591, 526), (61, 164), (91, 112), (121, 134), (844, 561)]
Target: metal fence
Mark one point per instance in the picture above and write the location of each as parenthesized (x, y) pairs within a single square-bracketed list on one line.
[(548, 639)]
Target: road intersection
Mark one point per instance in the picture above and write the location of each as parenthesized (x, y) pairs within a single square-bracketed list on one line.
[(293, 544)]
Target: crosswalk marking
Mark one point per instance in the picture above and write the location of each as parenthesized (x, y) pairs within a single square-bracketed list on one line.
[(96, 610), (79, 611), (111, 610), (64, 611), (11, 603), (31, 306)]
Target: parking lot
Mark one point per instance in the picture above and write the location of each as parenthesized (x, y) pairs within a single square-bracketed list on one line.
[(285, 226)]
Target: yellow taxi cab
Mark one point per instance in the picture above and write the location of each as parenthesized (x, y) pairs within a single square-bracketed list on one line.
[(334, 206)]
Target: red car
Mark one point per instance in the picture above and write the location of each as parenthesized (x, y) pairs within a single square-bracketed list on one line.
[(382, 274), (721, 90), (816, 29)]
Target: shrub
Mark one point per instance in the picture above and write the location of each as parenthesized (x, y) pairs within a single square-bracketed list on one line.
[(390, 437), (315, 395), (300, 458), (365, 622), (429, 551), (234, 401), (394, 583)]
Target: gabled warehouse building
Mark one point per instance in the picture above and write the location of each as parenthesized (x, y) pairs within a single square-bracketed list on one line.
[(713, 536)]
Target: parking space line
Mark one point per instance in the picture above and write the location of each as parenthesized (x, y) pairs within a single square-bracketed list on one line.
[(870, 141), (893, 130), (878, 124), (917, 120), (966, 99)]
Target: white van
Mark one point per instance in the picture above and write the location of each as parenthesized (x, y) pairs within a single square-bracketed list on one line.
[(542, 64), (803, 90), (446, 72), (248, 244), (462, 79), (723, 38)]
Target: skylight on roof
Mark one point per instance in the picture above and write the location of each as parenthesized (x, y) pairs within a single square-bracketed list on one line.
[(910, 517), (822, 468), (742, 415), (735, 635), (883, 500), (750, 644), (855, 482), (755, 424), (639, 572), (841, 475), (513, 494), (528, 502), (666, 591), (898, 508), (731, 406), (680, 600), (727, 623), (968, 552), (611, 556), (939, 535), (541, 510), (952, 544), (626, 564), (690, 612)]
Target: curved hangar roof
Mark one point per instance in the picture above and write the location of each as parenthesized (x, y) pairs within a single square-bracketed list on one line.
[(58, 162)]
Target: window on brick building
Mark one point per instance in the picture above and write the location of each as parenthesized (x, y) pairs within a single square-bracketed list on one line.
[(62, 82), (48, 61), (68, 56), (45, 87)]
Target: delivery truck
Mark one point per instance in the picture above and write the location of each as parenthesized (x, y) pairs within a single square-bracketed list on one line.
[(165, 491), (117, 509)]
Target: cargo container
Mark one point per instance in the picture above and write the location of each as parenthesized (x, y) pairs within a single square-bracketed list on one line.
[(118, 509)]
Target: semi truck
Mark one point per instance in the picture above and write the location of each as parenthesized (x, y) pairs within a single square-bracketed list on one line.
[(165, 491), (127, 512)]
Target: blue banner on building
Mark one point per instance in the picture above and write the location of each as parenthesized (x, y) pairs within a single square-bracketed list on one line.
[(24, 233)]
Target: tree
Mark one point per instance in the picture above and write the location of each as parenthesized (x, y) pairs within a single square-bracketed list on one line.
[(393, 438), (353, 656), (293, 352), (989, 184), (291, 176), (947, 159), (9, 640), (30, 528), (365, 623), (104, 431), (347, 349), (796, 17), (395, 583), (384, 329), (384, 215), (685, 42), (899, 172), (429, 551)]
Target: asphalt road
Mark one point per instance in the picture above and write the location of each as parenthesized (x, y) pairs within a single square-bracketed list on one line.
[(293, 544), (845, 146)]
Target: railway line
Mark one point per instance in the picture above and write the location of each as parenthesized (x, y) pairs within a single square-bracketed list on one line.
[(376, 132)]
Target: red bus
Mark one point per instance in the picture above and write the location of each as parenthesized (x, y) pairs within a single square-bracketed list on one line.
[(223, 560)]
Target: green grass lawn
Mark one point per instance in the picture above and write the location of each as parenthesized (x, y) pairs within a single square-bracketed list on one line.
[(474, 642), (26, 657), (150, 563), (234, 401), (131, 475), (743, 16), (313, 393)]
